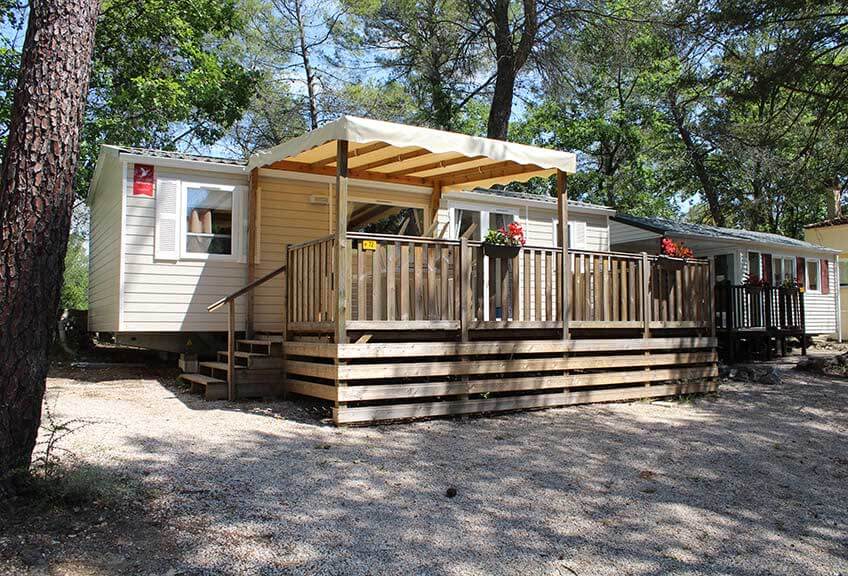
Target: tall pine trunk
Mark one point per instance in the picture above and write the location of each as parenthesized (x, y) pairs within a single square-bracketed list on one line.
[(511, 58), (36, 199)]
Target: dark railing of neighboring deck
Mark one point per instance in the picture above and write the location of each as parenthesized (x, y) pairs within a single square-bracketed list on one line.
[(764, 308)]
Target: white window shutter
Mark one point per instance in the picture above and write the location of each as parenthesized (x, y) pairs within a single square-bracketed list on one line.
[(166, 242), (577, 235)]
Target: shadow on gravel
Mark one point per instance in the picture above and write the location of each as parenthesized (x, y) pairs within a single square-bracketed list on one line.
[(749, 483)]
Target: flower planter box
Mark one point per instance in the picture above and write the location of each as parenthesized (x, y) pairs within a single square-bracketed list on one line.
[(498, 251), (671, 264)]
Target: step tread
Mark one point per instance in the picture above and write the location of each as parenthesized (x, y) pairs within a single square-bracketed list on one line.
[(240, 354), (220, 365), (201, 378), (257, 342)]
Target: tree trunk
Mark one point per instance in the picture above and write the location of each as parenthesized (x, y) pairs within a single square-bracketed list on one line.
[(307, 67), (36, 199), (510, 60), (501, 110), (697, 159)]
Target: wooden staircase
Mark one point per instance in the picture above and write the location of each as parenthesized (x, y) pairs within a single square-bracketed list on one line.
[(257, 371)]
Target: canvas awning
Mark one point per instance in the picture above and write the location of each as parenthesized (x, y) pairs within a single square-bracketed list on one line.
[(389, 152)]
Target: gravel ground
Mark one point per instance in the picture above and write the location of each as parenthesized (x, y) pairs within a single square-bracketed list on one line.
[(753, 481)]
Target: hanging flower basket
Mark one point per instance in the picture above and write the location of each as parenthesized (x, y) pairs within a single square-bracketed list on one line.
[(673, 254), (504, 242), (498, 251), (671, 264)]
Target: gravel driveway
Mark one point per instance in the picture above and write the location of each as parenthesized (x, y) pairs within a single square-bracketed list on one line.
[(754, 481)]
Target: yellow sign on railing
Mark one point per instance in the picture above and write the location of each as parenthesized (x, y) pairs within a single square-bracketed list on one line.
[(369, 244)]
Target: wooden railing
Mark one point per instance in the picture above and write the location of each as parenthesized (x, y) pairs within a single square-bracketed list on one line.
[(230, 301), (759, 308), (311, 291), (410, 282)]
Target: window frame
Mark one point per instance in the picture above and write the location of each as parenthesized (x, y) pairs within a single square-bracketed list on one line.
[(238, 223), (759, 273), (484, 211), (793, 267), (570, 230), (817, 289), (843, 282)]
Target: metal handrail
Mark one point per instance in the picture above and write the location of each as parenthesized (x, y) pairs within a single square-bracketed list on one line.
[(231, 325), (241, 291)]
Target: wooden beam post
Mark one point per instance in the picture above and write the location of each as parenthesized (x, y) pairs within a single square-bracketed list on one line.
[(342, 263), (252, 224), (231, 350), (464, 286), (435, 200), (565, 272), (646, 296), (711, 298)]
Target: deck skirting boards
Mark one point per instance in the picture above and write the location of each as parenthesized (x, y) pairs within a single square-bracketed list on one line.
[(373, 382)]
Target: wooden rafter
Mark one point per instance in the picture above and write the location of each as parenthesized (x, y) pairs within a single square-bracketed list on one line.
[(361, 151), (358, 174), (507, 168), (435, 165), (393, 159)]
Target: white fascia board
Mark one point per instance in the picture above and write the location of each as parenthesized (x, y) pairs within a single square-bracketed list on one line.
[(498, 199), (183, 163)]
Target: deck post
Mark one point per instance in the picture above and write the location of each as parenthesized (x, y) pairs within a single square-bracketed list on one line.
[(464, 286), (435, 201), (646, 296), (712, 299), (342, 263), (802, 314), (253, 223), (231, 350), (646, 307), (565, 271)]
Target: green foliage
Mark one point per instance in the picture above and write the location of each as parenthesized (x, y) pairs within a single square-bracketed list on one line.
[(163, 75), (424, 45), (598, 102), (75, 285)]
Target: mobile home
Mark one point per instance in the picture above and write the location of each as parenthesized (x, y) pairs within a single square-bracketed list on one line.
[(348, 264), (769, 287)]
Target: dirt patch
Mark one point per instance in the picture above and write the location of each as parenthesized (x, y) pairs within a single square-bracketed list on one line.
[(826, 365), (751, 481)]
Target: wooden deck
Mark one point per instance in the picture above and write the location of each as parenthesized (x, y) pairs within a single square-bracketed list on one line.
[(756, 321), (435, 327)]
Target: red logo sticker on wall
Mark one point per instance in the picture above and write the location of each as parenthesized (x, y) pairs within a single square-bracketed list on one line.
[(143, 180)]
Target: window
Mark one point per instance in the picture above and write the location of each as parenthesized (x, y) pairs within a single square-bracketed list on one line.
[(843, 272), (755, 265), (209, 221), (813, 275), (462, 219), (576, 235), (465, 219), (783, 269), (499, 220), (724, 268)]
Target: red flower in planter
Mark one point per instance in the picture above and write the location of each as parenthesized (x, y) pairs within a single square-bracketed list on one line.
[(676, 250), (512, 235)]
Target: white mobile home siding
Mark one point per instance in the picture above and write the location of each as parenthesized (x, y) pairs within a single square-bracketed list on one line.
[(298, 209), (104, 249), (172, 296), (538, 221), (820, 310)]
